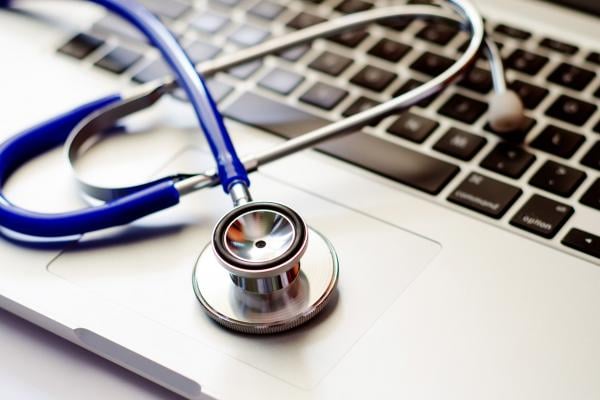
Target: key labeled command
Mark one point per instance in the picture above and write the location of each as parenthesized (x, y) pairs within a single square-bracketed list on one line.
[(485, 195)]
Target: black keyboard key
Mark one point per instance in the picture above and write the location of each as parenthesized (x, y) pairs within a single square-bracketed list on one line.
[(118, 60), (583, 241), (209, 22), (516, 135), (530, 95), (266, 9), (331, 63), (594, 58), (155, 70), (171, 9), (382, 157), (460, 144), (110, 24), (410, 85), (557, 178), (478, 80), (81, 45), (558, 46), (324, 96), (413, 127), (247, 36), (558, 141), (362, 104), (373, 78), (227, 3), (294, 53), (463, 47), (572, 110), (393, 161), (397, 23), (542, 216), (508, 159), (304, 20), (218, 90), (201, 51), (592, 157), (244, 71), (485, 195), (431, 64), (526, 62), (197, 51), (390, 50), (438, 32), (591, 197), (350, 38), (463, 108), (597, 127), (570, 76), (281, 81), (352, 6), (597, 92), (512, 32)]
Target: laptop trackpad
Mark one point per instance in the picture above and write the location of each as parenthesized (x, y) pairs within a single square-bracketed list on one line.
[(147, 267)]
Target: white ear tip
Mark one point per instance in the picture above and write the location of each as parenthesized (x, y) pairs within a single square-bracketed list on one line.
[(506, 112)]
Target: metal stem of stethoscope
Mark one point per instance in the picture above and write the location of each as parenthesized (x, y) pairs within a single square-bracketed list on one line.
[(185, 184)]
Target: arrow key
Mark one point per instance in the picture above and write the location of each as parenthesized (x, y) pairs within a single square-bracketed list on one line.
[(583, 241)]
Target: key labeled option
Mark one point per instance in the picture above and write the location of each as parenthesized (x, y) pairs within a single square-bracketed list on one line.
[(583, 241), (542, 216), (485, 195)]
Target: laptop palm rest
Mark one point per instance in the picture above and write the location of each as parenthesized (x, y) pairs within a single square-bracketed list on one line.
[(147, 268)]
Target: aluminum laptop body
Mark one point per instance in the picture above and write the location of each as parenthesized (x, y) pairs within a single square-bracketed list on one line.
[(440, 296)]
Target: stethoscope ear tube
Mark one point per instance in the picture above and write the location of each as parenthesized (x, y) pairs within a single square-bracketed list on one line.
[(47, 135)]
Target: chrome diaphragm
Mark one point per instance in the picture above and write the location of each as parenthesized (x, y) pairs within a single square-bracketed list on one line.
[(281, 273)]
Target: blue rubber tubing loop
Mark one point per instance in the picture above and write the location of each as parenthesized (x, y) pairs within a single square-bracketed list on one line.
[(38, 139), (49, 134), (229, 166)]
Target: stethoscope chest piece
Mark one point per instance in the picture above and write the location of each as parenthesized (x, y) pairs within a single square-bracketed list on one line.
[(265, 271)]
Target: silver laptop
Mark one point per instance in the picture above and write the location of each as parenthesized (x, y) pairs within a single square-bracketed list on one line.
[(468, 265)]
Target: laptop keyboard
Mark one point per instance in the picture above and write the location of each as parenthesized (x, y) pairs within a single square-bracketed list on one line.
[(443, 147)]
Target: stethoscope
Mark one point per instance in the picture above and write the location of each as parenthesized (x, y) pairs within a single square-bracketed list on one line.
[(265, 269)]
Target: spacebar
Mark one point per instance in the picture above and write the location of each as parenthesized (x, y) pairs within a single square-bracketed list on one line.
[(367, 151)]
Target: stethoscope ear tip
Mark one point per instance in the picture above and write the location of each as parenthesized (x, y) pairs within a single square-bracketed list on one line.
[(506, 112)]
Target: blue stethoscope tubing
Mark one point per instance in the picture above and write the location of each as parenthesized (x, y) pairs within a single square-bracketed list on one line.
[(54, 132), (136, 202)]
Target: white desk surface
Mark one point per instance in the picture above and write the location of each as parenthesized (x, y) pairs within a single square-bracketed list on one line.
[(36, 364)]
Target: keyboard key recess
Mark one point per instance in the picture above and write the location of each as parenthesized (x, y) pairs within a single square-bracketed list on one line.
[(485, 195), (542, 216)]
